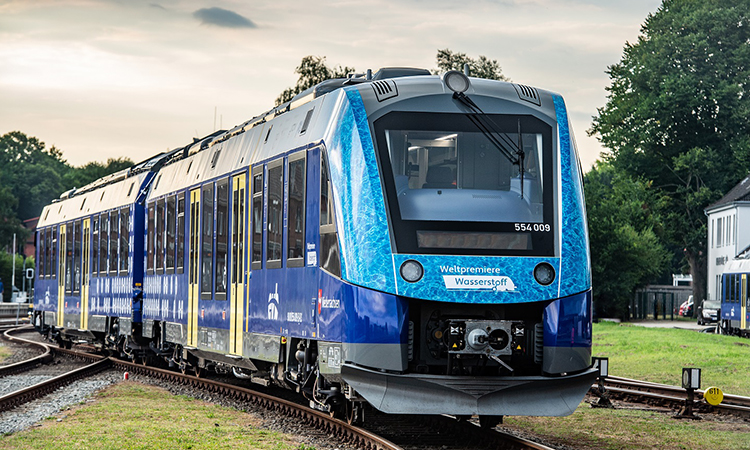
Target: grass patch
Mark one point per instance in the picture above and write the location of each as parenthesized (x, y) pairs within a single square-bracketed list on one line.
[(4, 352), (588, 429), (136, 416), (659, 354)]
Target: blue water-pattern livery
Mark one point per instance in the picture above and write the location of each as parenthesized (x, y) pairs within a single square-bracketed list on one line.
[(361, 216), (575, 275)]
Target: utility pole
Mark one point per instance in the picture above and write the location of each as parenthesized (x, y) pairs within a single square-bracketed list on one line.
[(13, 275)]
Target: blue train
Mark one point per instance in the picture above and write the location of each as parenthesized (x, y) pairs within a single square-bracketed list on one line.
[(413, 242), (734, 315)]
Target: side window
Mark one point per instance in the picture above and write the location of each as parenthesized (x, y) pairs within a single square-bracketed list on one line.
[(222, 239), (329, 243), (53, 252), (180, 253), (77, 257), (40, 262), (207, 240), (114, 228), (170, 221), (124, 240), (257, 218), (51, 240), (103, 243), (159, 234), (296, 212), (150, 240), (275, 215), (95, 246), (68, 237)]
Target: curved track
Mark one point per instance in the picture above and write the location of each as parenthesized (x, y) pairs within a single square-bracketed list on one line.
[(425, 432)]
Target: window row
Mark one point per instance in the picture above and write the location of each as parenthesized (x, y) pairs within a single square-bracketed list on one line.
[(733, 289), (724, 231), (165, 241), (108, 251)]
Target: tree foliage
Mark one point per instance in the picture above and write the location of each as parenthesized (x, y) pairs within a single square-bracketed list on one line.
[(312, 70), (624, 234), (677, 114), (481, 67), (31, 176)]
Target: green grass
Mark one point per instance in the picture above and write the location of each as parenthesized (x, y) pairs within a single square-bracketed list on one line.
[(135, 416), (659, 354), (4, 353), (608, 429)]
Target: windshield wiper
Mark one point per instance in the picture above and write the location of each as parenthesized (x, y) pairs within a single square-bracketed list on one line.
[(502, 142)]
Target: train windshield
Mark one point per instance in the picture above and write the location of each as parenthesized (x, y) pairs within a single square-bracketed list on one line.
[(455, 189)]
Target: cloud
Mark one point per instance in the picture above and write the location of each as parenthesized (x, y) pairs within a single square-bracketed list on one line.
[(222, 18)]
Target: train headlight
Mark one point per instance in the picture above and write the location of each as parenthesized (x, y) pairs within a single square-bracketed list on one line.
[(544, 274), (411, 271), (456, 81)]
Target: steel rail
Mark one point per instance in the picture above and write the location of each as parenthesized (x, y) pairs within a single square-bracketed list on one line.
[(25, 365), (39, 390)]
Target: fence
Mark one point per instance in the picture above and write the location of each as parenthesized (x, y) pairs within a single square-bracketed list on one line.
[(658, 302)]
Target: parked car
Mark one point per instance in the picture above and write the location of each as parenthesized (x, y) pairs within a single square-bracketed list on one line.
[(708, 311), (686, 308)]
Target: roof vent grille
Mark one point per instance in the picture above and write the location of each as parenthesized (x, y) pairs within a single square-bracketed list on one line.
[(528, 93), (384, 89)]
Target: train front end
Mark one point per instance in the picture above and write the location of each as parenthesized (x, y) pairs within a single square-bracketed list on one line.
[(462, 235)]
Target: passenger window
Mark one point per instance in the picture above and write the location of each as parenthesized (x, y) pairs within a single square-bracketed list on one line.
[(180, 253), (170, 222), (124, 240), (150, 240), (329, 244), (103, 243), (76, 257), (257, 218), (222, 238), (296, 212), (51, 241), (53, 252), (160, 229), (95, 246), (68, 238), (275, 215), (42, 247), (207, 241), (114, 225)]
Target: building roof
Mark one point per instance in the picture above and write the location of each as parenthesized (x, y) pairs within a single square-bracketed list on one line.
[(739, 193)]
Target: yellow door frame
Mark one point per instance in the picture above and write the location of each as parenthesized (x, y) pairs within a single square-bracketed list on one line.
[(194, 267), (239, 251), (85, 280), (62, 256)]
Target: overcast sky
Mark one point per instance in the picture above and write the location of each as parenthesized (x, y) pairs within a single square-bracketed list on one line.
[(114, 78)]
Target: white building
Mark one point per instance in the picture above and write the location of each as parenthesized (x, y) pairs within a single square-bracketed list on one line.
[(728, 233)]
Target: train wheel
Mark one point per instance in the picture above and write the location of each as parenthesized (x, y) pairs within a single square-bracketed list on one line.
[(355, 413), (490, 421)]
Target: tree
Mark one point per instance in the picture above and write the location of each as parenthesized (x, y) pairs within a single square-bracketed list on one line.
[(624, 229), (677, 114), (32, 173), (481, 67), (81, 176), (312, 70)]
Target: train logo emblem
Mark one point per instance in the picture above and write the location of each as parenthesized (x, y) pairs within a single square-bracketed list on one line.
[(273, 302)]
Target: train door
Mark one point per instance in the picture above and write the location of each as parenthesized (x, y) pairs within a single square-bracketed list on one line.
[(237, 294), (85, 274), (194, 267), (743, 303), (61, 275)]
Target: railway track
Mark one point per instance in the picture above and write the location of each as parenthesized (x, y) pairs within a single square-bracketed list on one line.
[(674, 397), (383, 433)]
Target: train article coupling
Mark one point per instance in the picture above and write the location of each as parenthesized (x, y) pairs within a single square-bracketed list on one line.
[(484, 337)]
